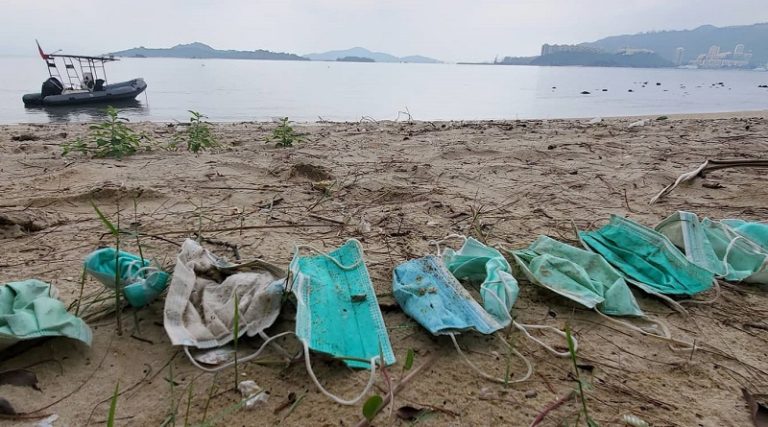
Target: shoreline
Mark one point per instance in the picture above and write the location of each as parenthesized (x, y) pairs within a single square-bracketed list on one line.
[(762, 113)]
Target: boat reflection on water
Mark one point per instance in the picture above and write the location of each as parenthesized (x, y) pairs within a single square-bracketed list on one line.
[(131, 109)]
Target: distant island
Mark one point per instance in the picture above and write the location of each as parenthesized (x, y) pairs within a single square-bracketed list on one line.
[(203, 51), (704, 47), (361, 52), (354, 59)]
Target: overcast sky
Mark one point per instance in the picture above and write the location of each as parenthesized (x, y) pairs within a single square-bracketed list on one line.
[(450, 30)]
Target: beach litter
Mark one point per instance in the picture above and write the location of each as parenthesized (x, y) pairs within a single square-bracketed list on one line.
[(140, 282), (29, 310), (200, 305), (253, 394), (709, 165), (637, 124)]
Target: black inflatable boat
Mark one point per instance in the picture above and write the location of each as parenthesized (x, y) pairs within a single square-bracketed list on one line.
[(83, 82)]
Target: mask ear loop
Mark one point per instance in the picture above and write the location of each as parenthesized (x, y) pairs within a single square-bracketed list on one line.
[(529, 367), (524, 329), (251, 356), (715, 287), (437, 243), (330, 258), (307, 363), (666, 334)]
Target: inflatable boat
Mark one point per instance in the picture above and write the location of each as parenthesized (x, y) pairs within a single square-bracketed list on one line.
[(53, 93), (84, 81)]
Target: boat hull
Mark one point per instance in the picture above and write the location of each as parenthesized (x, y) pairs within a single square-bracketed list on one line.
[(115, 92)]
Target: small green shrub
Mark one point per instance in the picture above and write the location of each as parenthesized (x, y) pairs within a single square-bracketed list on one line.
[(198, 136), (110, 138), (284, 134)]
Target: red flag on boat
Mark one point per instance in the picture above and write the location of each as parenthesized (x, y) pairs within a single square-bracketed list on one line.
[(40, 49)]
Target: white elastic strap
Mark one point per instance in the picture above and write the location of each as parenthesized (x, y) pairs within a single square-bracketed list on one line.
[(239, 359), (716, 287), (437, 243), (329, 394), (666, 334), (330, 258), (524, 329), (528, 365), (307, 363)]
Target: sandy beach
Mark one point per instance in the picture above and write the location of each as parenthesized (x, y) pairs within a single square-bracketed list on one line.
[(394, 186)]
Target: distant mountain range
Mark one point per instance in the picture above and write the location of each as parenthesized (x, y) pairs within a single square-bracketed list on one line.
[(202, 50), (695, 42), (361, 52)]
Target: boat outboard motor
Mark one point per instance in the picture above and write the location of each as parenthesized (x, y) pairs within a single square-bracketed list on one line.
[(52, 86), (99, 86)]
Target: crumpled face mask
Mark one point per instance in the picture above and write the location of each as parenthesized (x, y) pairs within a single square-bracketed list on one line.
[(200, 305), (717, 248), (427, 292), (29, 310), (337, 312), (646, 258), (482, 264), (141, 283), (757, 232), (588, 279), (579, 275)]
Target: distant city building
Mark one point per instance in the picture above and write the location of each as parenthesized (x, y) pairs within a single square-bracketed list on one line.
[(631, 51), (549, 49), (714, 58), (679, 53)]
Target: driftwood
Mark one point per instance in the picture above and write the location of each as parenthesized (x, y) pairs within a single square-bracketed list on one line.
[(709, 165)]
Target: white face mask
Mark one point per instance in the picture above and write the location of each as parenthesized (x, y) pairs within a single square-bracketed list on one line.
[(199, 308)]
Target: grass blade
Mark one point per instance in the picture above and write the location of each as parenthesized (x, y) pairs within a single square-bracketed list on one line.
[(113, 406)]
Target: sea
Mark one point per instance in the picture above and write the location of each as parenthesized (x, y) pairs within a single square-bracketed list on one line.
[(247, 90)]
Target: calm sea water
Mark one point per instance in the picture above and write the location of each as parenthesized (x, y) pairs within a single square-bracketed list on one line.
[(238, 90)]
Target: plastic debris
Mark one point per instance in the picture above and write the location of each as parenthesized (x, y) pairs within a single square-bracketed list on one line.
[(639, 123), (253, 393), (596, 120)]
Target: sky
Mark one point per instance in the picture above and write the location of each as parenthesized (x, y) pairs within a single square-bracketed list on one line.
[(449, 30)]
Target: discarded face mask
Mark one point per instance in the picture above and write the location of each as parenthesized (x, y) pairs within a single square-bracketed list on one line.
[(579, 275), (200, 305), (337, 312), (717, 248), (482, 264), (29, 310), (429, 293), (141, 283), (757, 232), (646, 258)]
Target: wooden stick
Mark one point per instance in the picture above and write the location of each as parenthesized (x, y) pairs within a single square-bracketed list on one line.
[(552, 406), (400, 386)]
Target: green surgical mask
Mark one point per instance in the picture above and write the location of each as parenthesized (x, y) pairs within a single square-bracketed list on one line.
[(754, 231), (647, 258), (579, 275), (29, 310), (481, 264), (717, 248)]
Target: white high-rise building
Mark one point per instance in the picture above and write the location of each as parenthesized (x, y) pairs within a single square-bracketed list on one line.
[(679, 52), (738, 51), (714, 52)]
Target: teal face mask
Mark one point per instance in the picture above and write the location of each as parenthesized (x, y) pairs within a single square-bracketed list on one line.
[(646, 258), (478, 263), (337, 312), (757, 232), (140, 282), (30, 310), (717, 248), (579, 275)]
